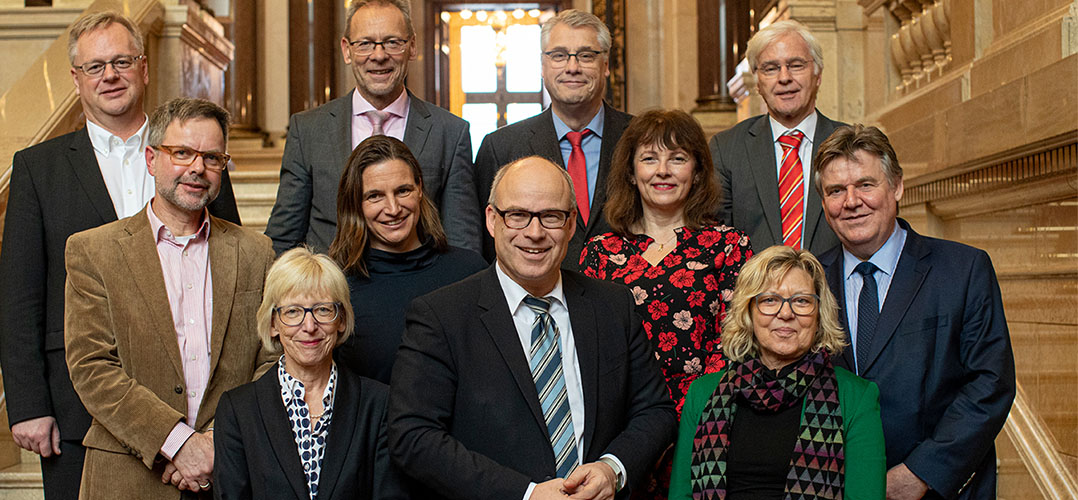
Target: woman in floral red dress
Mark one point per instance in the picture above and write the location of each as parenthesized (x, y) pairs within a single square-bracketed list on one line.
[(681, 265)]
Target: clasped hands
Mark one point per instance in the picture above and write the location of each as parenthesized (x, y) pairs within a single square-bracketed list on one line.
[(592, 481), (192, 467)]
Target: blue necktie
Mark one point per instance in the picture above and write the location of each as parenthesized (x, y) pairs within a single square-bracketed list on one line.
[(868, 312), (546, 366)]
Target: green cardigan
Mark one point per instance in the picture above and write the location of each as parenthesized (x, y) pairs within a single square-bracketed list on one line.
[(859, 399)]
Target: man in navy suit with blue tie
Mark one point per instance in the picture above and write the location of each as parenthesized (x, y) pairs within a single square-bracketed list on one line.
[(926, 324)]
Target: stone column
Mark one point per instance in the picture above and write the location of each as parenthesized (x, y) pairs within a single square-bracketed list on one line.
[(722, 29), (241, 87), (312, 51)]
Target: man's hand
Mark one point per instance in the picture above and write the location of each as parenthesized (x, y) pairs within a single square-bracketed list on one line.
[(549, 489), (172, 475), (194, 462), (902, 484), (594, 481), (40, 435)]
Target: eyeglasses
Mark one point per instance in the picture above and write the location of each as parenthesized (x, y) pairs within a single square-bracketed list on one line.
[(520, 219), (795, 67), (392, 46), (560, 58), (97, 68), (323, 313), (802, 304), (184, 156)]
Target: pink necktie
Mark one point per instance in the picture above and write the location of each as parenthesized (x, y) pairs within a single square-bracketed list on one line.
[(377, 118)]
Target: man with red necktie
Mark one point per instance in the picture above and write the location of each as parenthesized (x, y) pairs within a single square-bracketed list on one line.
[(765, 162), (578, 131)]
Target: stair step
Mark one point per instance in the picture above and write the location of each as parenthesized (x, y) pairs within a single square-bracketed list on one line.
[(256, 160), (21, 482)]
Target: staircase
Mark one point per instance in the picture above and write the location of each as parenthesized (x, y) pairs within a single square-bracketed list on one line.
[(255, 180)]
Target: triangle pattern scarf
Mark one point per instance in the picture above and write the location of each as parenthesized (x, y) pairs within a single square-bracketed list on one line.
[(817, 462)]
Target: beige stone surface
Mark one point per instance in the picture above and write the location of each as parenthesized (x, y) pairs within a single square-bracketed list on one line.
[(1033, 52)]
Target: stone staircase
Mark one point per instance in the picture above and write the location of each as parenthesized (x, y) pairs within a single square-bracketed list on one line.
[(255, 180)]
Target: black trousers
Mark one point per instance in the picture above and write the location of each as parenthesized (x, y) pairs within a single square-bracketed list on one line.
[(61, 474)]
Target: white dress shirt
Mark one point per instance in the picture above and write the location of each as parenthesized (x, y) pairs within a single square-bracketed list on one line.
[(123, 167)]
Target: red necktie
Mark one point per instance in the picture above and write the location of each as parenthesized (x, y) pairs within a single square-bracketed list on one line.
[(791, 189), (578, 171)]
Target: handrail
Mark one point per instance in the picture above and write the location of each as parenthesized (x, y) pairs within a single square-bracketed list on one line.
[(1034, 443)]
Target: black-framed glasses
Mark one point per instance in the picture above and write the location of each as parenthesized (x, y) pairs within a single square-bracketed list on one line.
[(392, 46), (323, 313), (795, 67), (97, 68), (184, 156), (802, 304), (520, 219), (583, 57)]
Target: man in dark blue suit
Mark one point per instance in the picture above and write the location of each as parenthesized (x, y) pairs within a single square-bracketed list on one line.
[(938, 347)]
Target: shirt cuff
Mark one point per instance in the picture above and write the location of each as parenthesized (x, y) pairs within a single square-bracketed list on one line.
[(619, 469), (176, 439), (528, 492)]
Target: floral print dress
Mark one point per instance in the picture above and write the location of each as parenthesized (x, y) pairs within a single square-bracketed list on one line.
[(682, 301)]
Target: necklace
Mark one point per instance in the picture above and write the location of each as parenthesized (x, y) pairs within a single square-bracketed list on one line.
[(663, 244), (316, 416)]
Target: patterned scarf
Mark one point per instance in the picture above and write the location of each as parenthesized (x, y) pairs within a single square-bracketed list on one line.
[(817, 462)]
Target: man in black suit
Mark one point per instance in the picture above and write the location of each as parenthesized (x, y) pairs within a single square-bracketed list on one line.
[(755, 155), (62, 186), (378, 42), (575, 48), (938, 347), (465, 413)]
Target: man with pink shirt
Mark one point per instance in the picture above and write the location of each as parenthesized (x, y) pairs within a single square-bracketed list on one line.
[(378, 42), (159, 317)]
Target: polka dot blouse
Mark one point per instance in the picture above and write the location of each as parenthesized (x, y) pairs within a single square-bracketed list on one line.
[(310, 441)]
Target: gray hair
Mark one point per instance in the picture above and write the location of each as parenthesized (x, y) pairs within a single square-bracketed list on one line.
[(766, 36), (102, 20), (403, 5), (576, 19), (501, 173), (182, 109), (846, 141)]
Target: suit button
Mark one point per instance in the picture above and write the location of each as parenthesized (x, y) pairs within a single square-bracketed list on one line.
[(548, 477), (178, 389)]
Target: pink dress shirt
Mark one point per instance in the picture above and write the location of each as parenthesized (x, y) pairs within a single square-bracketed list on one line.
[(185, 264), (393, 126)]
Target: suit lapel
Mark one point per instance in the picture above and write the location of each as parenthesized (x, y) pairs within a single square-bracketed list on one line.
[(913, 267), (223, 265), (338, 147), (140, 254), (762, 147), (82, 161), (585, 336), (544, 139), (498, 320), (814, 209), (613, 126), (339, 446), (418, 125), (279, 431), (832, 262)]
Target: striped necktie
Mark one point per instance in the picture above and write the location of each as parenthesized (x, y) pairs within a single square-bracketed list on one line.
[(546, 365), (791, 189)]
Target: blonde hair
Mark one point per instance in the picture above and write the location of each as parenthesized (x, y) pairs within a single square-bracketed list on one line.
[(768, 268), (102, 20), (302, 272)]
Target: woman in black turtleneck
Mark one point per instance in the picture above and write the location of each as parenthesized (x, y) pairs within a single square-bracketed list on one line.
[(392, 248)]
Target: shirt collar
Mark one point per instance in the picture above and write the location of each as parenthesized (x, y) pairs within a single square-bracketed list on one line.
[(595, 125), (807, 127), (398, 108), (294, 388), (886, 258), (101, 139), (514, 293), (162, 232)]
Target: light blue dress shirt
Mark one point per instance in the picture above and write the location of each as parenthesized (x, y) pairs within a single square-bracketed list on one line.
[(592, 144), (886, 260)]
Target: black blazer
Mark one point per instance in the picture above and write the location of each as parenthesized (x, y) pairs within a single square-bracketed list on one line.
[(536, 137), (942, 358), (255, 453), (56, 190), (744, 158), (464, 417)]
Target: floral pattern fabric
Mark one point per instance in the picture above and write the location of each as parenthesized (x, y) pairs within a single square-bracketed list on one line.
[(682, 301)]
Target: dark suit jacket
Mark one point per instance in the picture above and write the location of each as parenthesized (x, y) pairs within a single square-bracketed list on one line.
[(316, 152), (464, 417), (536, 137), (56, 190), (942, 358), (255, 453), (744, 158)]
